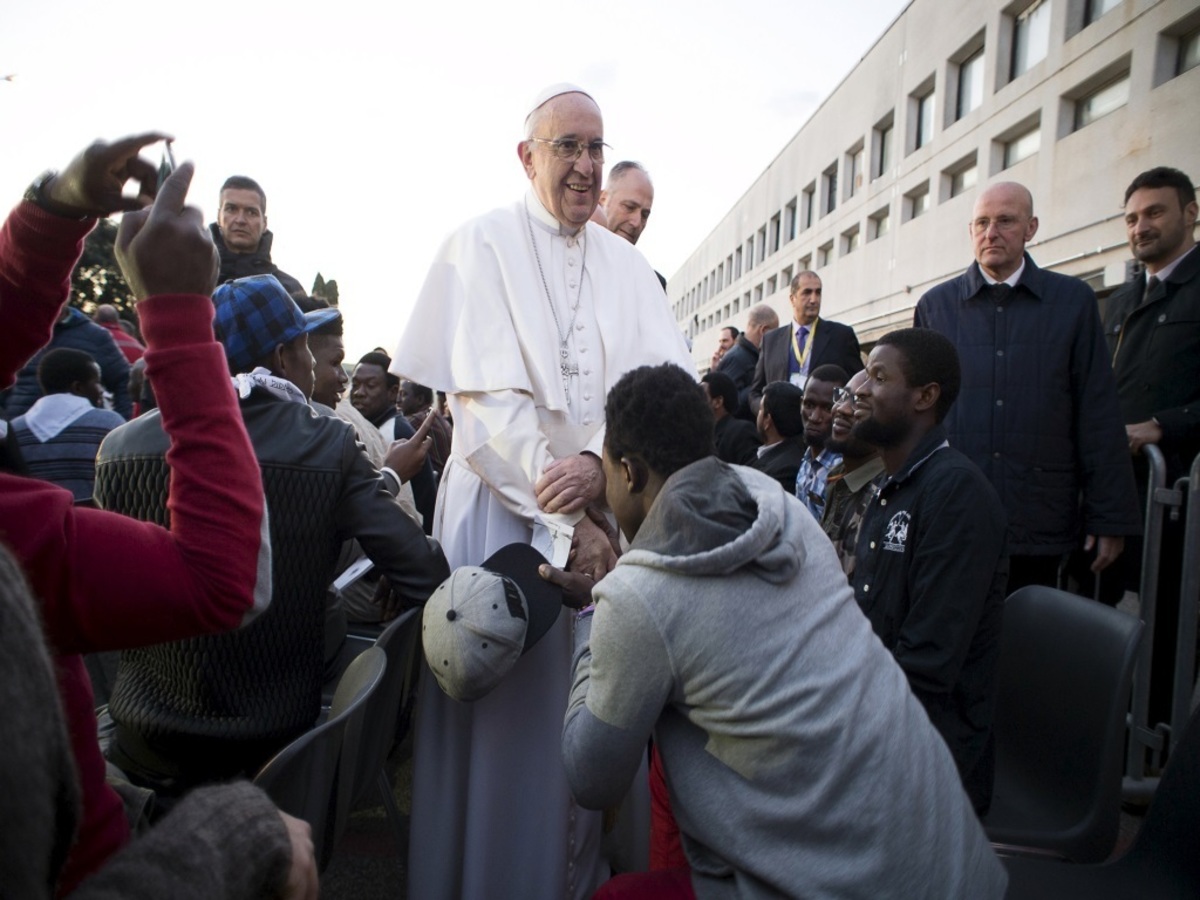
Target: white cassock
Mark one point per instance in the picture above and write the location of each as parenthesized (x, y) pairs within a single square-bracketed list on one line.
[(492, 813)]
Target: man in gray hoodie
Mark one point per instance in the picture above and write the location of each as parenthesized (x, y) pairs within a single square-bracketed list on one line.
[(797, 759)]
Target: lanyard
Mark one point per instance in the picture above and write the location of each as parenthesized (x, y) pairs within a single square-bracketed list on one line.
[(802, 355)]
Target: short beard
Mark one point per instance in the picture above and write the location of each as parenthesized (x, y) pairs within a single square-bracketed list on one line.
[(817, 444), (881, 434)]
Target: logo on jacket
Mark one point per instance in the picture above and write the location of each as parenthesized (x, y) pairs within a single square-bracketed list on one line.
[(896, 533)]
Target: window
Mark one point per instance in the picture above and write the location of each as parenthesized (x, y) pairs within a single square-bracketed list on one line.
[(1189, 52), (829, 190), (849, 240), (916, 201), (789, 221), (806, 210), (1102, 101), (824, 254), (775, 230), (878, 224), (749, 254), (737, 302), (758, 294), (772, 283), (1031, 37), (762, 243), (1017, 143), (960, 177), (785, 277), (805, 264), (729, 270), (855, 157), (921, 104), (737, 263), (1094, 9), (881, 146), (970, 84), (746, 300)]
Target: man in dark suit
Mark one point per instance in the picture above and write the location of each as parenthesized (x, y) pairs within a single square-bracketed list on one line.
[(1153, 331), (735, 440), (789, 353), (781, 426), (742, 359)]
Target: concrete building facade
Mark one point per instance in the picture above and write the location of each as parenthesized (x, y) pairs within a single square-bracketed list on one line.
[(1072, 98)]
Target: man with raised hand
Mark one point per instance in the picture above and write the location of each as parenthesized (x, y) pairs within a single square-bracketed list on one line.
[(528, 316), (209, 571)]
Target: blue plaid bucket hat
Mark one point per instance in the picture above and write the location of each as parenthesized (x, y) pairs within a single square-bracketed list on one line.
[(255, 315)]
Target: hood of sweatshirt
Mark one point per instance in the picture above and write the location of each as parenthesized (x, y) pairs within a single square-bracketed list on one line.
[(711, 518)]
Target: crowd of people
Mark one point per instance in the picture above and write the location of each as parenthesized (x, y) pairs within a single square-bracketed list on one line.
[(777, 590)]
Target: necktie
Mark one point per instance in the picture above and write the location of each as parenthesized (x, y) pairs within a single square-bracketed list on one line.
[(1151, 284), (999, 292)]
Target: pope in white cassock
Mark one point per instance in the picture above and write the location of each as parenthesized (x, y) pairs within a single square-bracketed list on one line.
[(527, 317)]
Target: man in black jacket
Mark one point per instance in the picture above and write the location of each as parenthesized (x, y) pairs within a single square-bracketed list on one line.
[(930, 567), (791, 352), (242, 236), (781, 426), (212, 708), (1039, 412), (742, 359), (735, 441), (1153, 331)]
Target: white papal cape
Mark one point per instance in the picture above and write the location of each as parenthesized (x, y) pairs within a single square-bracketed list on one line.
[(492, 814)]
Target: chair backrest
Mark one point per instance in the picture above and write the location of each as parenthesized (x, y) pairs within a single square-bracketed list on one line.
[(398, 643), (1167, 839), (303, 777), (1063, 683)]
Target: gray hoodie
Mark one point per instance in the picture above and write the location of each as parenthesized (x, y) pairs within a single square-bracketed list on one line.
[(798, 761)]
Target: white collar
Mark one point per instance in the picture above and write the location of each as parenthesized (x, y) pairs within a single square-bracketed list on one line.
[(54, 412), (272, 384), (1165, 272), (1011, 280), (546, 219)]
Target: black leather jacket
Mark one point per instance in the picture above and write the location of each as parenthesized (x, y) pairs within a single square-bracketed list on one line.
[(262, 683)]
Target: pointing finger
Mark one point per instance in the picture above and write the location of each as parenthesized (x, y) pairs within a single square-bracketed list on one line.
[(173, 193)]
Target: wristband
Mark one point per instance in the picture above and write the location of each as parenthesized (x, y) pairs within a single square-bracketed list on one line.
[(36, 194)]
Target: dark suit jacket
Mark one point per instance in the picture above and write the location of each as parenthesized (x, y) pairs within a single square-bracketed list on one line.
[(1155, 348), (739, 364), (782, 461), (833, 343), (736, 441)]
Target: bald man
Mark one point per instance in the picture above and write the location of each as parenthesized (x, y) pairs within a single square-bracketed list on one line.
[(1038, 412), (626, 200)]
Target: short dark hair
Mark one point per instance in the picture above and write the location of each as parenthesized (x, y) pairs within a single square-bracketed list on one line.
[(376, 358), (929, 358), (794, 285), (1164, 177), (658, 413), (62, 367), (244, 183), (733, 332), (309, 304), (830, 373), (782, 401), (421, 393), (721, 385)]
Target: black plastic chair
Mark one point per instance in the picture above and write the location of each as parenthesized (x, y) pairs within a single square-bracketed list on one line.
[(303, 777), (1063, 683), (385, 723), (1163, 861)]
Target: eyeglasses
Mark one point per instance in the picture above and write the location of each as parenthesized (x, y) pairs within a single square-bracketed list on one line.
[(842, 395), (569, 149), (1002, 223)]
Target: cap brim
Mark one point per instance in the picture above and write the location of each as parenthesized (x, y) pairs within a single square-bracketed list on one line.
[(318, 317), (544, 600)]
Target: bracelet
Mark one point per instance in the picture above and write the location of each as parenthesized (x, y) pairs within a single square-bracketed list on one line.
[(586, 612), (36, 194)]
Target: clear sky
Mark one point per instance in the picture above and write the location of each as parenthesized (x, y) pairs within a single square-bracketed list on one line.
[(376, 128)]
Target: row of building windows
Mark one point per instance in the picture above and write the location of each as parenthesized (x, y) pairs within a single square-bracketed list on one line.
[(1097, 96)]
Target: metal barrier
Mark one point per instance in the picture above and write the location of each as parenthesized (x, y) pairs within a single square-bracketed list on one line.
[(1143, 736)]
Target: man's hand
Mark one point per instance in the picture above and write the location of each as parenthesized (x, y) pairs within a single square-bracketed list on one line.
[(593, 551), (576, 588), (569, 484), (406, 456), (1108, 551), (302, 880), (166, 249), (92, 183), (391, 602), (1143, 433)]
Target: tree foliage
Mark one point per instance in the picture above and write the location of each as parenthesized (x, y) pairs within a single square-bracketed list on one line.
[(326, 290), (98, 279)]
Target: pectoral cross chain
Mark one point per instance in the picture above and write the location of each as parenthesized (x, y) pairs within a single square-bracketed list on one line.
[(568, 368)]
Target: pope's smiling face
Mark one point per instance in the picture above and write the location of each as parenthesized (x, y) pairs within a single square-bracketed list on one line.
[(569, 189)]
